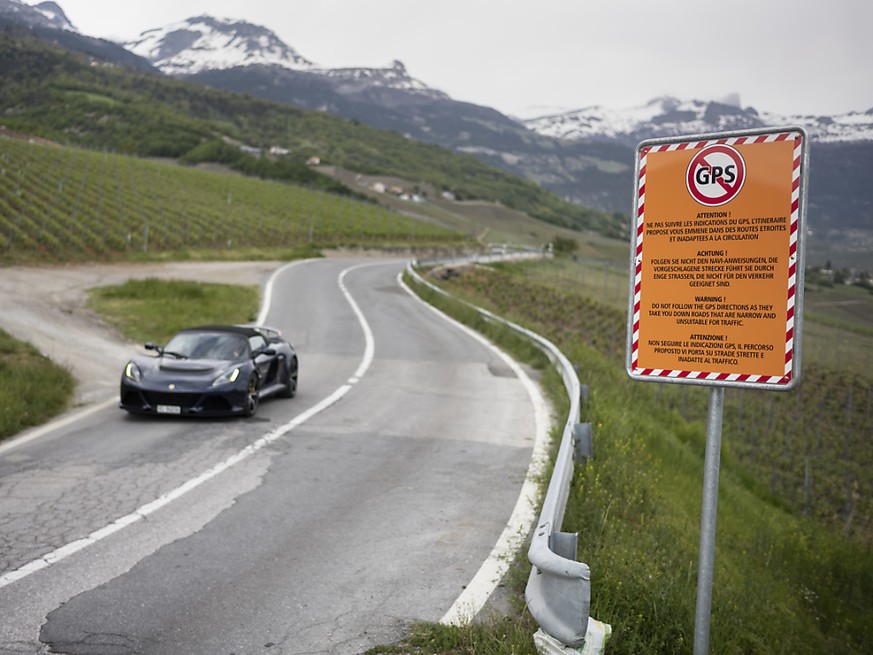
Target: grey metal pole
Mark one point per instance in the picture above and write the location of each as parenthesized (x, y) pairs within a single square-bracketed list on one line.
[(709, 509)]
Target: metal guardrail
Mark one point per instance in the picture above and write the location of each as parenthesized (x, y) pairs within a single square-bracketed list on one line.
[(558, 592)]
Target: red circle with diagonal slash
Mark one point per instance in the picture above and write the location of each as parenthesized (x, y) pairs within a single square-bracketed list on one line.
[(715, 175)]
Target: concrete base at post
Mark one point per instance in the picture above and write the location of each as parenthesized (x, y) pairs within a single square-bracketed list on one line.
[(596, 636)]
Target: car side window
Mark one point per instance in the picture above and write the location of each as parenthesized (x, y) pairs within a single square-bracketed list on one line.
[(257, 343)]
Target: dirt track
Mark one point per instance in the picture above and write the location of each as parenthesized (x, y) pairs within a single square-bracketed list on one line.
[(46, 307)]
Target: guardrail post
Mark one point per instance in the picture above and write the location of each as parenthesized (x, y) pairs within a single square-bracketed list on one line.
[(564, 544), (584, 441), (558, 592)]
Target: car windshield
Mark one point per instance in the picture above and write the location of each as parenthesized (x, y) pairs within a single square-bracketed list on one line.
[(208, 345)]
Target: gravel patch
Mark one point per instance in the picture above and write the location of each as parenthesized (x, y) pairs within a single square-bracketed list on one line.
[(45, 306)]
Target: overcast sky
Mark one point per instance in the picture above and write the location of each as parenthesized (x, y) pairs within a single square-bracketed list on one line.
[(527, 57)]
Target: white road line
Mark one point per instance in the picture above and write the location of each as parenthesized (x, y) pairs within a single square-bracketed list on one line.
[(268, 288), (119, 524), (524, 514), (370, 348)]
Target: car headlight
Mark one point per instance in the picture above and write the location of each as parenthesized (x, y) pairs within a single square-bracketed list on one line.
[(132, 372), (228, 377)]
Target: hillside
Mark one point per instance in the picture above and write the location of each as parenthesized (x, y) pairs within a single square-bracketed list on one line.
[(71, 99), (61, 204)]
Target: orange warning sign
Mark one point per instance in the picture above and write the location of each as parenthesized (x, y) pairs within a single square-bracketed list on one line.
[(716, 259)]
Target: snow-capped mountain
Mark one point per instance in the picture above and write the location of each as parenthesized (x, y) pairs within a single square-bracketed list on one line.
[(45, 14), (853, 126), (666, 117), (206, 43)]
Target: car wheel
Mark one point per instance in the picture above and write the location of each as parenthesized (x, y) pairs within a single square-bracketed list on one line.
[(290, 389), (252, 397)]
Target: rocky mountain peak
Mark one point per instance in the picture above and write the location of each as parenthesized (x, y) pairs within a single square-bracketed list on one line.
[(43, 15), (55, 15), (393, 76), (206, 43)]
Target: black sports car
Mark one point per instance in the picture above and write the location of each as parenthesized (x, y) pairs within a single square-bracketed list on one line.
[(213, 370)]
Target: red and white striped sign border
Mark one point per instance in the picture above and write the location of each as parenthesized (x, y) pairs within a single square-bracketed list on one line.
[(792, 271)]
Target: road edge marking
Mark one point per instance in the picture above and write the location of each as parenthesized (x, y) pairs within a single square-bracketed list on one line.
[(524, 514)]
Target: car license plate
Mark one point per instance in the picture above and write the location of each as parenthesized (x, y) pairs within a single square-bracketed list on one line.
[(169, 409)]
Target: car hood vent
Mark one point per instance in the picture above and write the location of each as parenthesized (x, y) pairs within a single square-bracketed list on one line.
[(195, 366)]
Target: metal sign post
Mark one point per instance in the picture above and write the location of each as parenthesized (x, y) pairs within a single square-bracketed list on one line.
[(706, 557), (716, 295)]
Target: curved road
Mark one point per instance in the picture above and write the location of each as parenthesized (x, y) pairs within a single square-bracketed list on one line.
[(324, 525)]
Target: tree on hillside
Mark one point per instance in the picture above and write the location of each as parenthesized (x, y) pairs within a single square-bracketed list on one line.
[(564, 246)]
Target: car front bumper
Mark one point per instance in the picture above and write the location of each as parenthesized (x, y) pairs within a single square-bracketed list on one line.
[(226, 400)]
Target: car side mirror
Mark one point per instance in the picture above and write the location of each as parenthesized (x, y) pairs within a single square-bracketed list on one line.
[(152, 346), (269, 352)]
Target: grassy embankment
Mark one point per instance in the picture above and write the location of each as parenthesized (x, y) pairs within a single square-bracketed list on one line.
[(810, 447), (789, 577), (32, 388)]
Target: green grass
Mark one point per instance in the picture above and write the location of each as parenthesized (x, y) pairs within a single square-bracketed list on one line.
[(838, 319), (849, 305), (93, 98), (154, 310), (493, 638), (786, 581), (32, 388)]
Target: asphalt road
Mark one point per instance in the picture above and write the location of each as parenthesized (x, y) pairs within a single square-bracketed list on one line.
[(326, 524)]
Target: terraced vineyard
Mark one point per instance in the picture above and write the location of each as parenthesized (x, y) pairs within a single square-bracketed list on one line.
[(67, 204)]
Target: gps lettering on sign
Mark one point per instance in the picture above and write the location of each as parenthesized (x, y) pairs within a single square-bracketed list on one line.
[(709, 175)]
